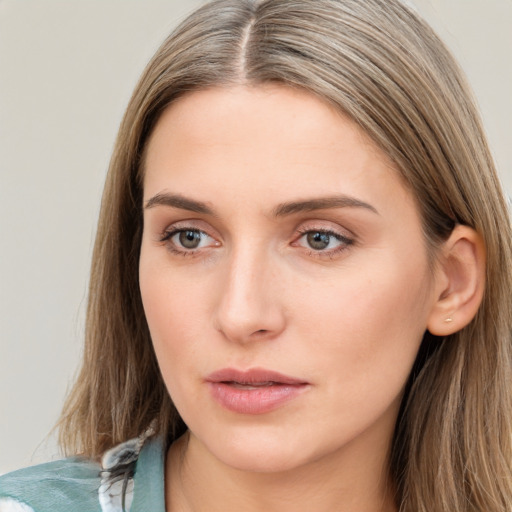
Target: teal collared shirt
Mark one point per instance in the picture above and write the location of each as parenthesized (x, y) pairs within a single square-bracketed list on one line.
[(131, 474)]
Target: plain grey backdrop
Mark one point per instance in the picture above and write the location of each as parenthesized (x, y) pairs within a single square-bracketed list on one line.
[(67, 69)]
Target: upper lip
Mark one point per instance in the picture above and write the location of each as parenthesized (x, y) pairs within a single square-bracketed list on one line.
[(252, 376)]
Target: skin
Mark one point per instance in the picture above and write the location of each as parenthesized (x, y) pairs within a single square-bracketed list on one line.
[(347, 319)]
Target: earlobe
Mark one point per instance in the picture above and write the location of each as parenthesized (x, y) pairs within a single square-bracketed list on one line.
[(460, 282)]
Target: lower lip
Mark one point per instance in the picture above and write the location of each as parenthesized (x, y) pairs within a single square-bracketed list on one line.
[(256, 400)]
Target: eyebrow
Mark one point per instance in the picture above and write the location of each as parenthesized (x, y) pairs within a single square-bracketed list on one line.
[(282, 210), (321, 203), (178, 201)]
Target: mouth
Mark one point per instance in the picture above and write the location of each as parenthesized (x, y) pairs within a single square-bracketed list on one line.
[(255, 385), (256, 377), (256, 391)]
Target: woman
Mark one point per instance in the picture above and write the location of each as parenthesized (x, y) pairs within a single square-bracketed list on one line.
[(299, 295)]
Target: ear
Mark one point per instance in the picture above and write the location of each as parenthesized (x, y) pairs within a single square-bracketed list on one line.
[(460, 282)]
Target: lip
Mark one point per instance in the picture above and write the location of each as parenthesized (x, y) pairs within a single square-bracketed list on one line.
[(254, 391)]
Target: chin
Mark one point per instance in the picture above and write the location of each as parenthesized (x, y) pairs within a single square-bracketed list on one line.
[(258, 452), (258, 461)]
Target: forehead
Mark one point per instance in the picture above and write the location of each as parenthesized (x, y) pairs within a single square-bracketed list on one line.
[(253, 113), (253, 140)]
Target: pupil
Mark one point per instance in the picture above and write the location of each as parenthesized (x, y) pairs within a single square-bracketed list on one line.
[(190, 239), (318, 240)]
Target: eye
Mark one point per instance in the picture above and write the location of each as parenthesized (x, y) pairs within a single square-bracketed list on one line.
[(187, 240), (326, 241), (319, 240)]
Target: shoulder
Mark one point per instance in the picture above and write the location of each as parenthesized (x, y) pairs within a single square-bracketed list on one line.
[(74, 483), (50, 486)]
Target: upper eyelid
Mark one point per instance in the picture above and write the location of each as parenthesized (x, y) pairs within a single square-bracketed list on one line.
[(332, 228), (329, 231), (193, 225)]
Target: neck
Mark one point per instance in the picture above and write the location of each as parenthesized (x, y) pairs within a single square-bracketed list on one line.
[(344, 482)]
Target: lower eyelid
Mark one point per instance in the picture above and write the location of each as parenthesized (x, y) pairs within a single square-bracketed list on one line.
[(330, 253)]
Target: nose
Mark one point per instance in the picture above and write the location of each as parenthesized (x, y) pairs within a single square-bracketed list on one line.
[(249, 307)]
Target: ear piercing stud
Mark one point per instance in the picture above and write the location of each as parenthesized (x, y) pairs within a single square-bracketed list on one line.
[(448, 320)]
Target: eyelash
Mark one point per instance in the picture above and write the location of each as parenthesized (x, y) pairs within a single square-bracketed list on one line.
[(173, 248), (345, 242)]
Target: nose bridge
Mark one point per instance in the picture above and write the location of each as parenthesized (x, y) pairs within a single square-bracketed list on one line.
[(249, 306)]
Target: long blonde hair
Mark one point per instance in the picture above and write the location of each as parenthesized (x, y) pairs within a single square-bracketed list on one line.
[(382, 66)]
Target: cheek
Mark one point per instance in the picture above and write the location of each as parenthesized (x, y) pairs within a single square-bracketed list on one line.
[(175, 327), (172, 307), (368, 329)]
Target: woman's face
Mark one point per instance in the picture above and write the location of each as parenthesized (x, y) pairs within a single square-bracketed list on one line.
[(284, 277)]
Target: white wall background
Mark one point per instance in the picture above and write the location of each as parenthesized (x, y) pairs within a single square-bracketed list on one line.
[(67, 69)]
